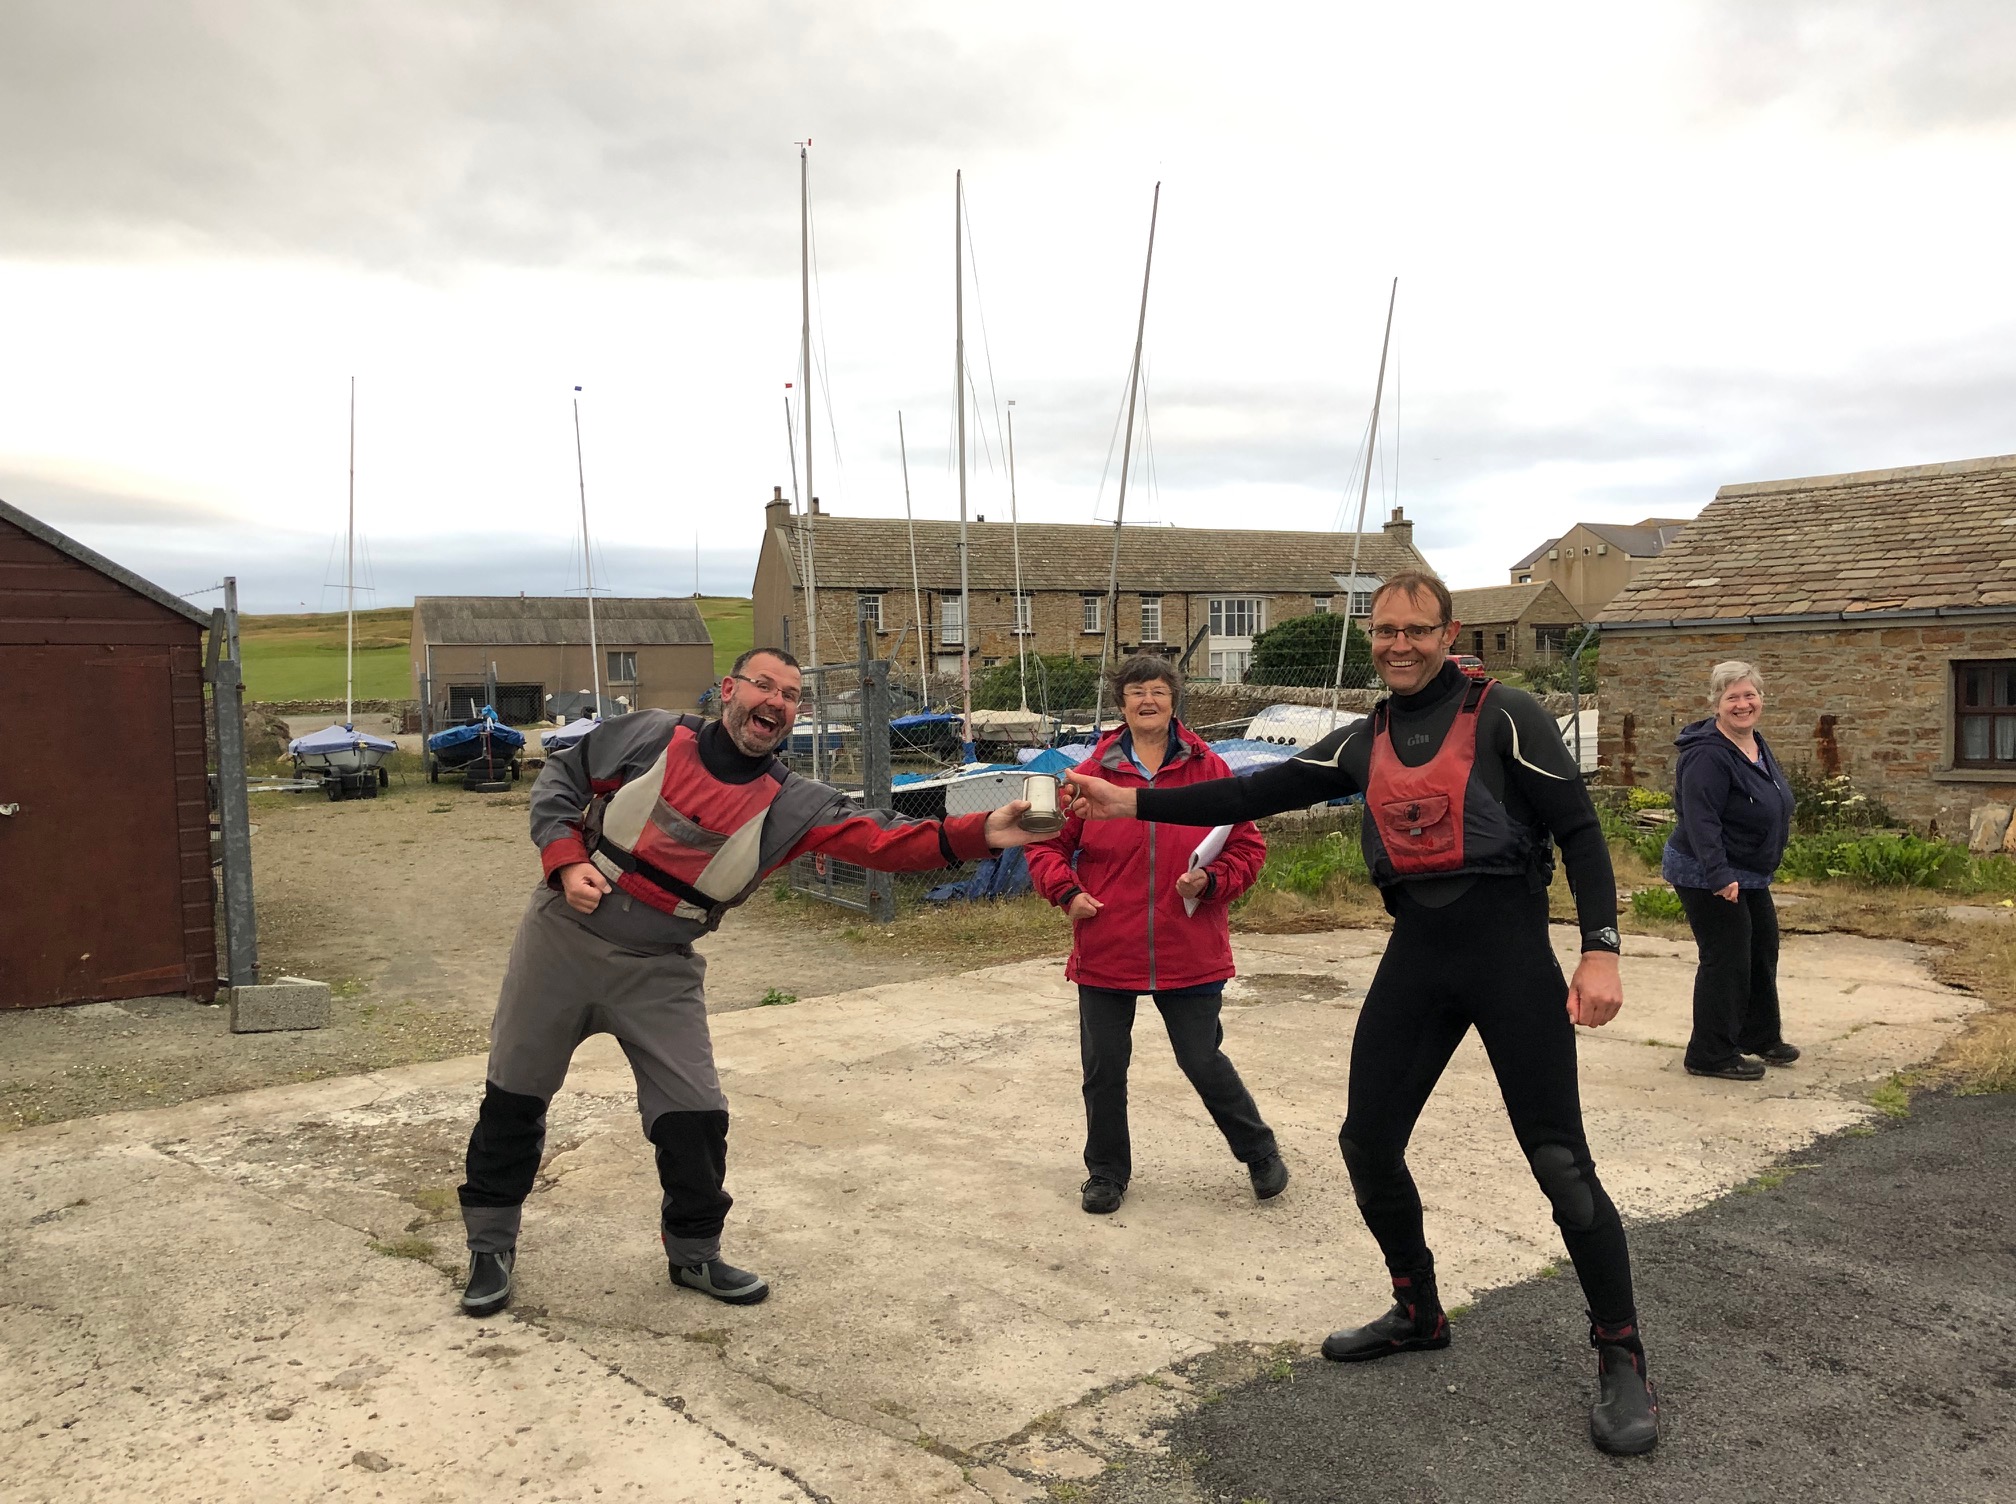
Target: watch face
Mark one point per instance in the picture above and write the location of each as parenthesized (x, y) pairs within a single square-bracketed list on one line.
[(1606, 937)]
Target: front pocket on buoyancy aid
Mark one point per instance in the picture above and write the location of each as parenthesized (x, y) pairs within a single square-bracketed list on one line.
[(1417, 827)]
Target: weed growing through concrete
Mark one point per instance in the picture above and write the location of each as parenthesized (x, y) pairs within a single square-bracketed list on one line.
[(1657, 903), (776, 997), (405, 1247), (1892, 1098)]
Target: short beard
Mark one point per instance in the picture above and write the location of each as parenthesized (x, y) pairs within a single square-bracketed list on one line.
[(741, 730)]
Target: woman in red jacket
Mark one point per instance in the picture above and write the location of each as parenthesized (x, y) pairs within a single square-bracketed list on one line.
[(1124, 885)]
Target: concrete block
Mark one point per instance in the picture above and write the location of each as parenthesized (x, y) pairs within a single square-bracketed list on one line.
[(289, 1003)]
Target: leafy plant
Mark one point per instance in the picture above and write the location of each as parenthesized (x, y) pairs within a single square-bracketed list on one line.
[(1889, 859), (1823, 803), (1656, 903), (1303, 650), (1636, 798), (1057, 681), (776, 997), (1560, 676), (1309, 865)]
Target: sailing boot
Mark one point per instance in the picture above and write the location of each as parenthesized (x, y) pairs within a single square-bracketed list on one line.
[(1624, 1421), (489, 1287), (1415, 1324)]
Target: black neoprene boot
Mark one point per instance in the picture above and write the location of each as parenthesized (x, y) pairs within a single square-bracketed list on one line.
[(1624, 1421), (489, 1287), (1415, 1324)]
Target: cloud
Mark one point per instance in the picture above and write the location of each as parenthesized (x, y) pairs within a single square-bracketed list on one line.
[(1925, 66), (465, 131), (65, 504)]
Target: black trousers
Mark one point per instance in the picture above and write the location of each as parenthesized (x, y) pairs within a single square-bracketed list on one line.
[(1482, 961), (1736, 985), (1106, 1047)]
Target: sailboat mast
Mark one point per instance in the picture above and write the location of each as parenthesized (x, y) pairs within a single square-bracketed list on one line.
[(805, 403), (1015, 532), (1111, 639), (916, 590), (350, 572), (587, 563), (1364, 493), (959, 391)]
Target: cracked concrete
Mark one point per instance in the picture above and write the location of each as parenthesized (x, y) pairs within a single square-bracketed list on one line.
[(203, 1301)]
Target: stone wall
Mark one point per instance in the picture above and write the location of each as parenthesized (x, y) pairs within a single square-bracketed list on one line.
[(1871, 702), (408, 711)]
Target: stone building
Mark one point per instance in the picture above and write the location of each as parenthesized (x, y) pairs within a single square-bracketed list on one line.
[(655, 651), (1879, 606), (1204, 591), (1512, 626), (1592, 561)]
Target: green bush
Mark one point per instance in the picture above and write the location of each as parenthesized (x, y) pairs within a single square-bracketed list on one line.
[(1636, 798), (1559, 677), (1989, 874), (1307, 865), (1647, 843), (1889, 859), (1057, 681), (1657, 903), (1822, 804), (1303, 650)]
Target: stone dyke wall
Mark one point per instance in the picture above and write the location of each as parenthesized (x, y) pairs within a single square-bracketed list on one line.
[(1209, 703), (1871, 702)]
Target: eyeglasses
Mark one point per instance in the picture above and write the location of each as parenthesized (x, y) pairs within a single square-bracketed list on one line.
[(1415, 633), (1145, 692), (765, 687)]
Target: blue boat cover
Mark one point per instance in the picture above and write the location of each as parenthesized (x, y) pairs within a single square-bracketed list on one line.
[(1005, 874), (923, 720), (338, 739), (456, 738), (1243, 755), (562, 737)]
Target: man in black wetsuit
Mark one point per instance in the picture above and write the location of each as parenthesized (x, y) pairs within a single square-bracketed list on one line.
[(1465, 782)]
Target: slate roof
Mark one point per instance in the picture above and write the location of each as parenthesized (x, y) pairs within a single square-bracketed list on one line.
[(1642, 541), (63, 543), (1537, 555), (1877, 543), (1511, 602), (873, 553), (547, 621)]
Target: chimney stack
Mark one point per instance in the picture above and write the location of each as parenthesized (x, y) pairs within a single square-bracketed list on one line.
[(776, 511), (815, 508), (1399, 529)]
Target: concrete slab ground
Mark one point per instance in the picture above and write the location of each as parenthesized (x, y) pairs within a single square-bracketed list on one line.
[(252, 1296)]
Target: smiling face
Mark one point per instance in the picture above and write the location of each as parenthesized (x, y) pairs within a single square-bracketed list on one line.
[(759, 704), (1739, 709), (1148, 707), (1409, 640)]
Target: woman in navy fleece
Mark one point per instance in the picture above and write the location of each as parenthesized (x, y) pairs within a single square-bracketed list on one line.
[(1734, 812)]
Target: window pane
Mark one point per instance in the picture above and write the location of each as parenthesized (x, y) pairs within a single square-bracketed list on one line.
[(2005, 685), (2005, 738), (951, 631), (1974, 738), (1024, 612), (1319, 605), (1151, 619), (1091, 604)]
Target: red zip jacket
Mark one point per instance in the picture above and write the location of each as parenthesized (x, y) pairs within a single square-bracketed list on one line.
[(1133, 944)]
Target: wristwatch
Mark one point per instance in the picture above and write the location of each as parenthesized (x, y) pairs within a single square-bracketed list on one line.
[(1603, 939)]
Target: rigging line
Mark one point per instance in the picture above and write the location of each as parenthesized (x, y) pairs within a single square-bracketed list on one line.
[(980, 303), (1112, 443), (825, 378), (980, 428)]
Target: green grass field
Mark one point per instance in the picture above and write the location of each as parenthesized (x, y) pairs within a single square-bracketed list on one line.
[(300, 657)]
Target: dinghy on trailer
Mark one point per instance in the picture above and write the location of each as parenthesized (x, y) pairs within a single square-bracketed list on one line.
[(483, 750)]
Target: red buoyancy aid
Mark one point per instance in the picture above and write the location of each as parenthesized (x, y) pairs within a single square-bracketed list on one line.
[(687, 843), (1439, 819)]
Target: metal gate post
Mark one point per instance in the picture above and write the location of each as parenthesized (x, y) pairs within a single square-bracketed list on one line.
[(875, 775), (234, 815)]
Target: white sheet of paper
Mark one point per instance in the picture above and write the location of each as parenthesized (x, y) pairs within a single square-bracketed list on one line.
[(1205, 854)]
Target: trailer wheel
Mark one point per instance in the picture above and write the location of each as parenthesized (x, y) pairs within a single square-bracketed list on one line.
[(514, 770), (433, 769), (333, 787), (384, 779)]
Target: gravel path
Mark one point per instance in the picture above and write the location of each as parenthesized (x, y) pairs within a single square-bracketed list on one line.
[(1840, 1331)]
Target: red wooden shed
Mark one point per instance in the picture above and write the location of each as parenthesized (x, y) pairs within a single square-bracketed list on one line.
[(105, 838)]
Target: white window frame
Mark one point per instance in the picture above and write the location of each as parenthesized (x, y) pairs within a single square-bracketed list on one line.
[(1250, 616), (1025, 615), (1093, 614), (869, 605), (1151, 611), (951, 623), (1319, 605)]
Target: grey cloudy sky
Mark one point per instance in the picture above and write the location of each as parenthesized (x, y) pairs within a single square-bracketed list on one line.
[(1643, 251)]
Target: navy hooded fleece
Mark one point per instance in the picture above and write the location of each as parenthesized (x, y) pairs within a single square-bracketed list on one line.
[(1733, 816)]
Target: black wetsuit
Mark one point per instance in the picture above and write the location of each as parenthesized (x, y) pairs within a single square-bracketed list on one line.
[(1466, 950)]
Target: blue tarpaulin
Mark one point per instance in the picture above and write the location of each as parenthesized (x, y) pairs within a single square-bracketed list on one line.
[(1005, 874)]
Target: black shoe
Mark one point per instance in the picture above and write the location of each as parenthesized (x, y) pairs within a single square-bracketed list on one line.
[(1742, 1068), (1270, 1177), (1415, 1324), (1624, 1421), (1100, 1195), (1780, 1053), (489, 1287), (737, 1287)]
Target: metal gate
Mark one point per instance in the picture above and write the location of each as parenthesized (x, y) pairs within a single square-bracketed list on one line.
[(841, 738)]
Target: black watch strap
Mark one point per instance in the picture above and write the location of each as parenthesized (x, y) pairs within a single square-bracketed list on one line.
[(1603, 939)]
